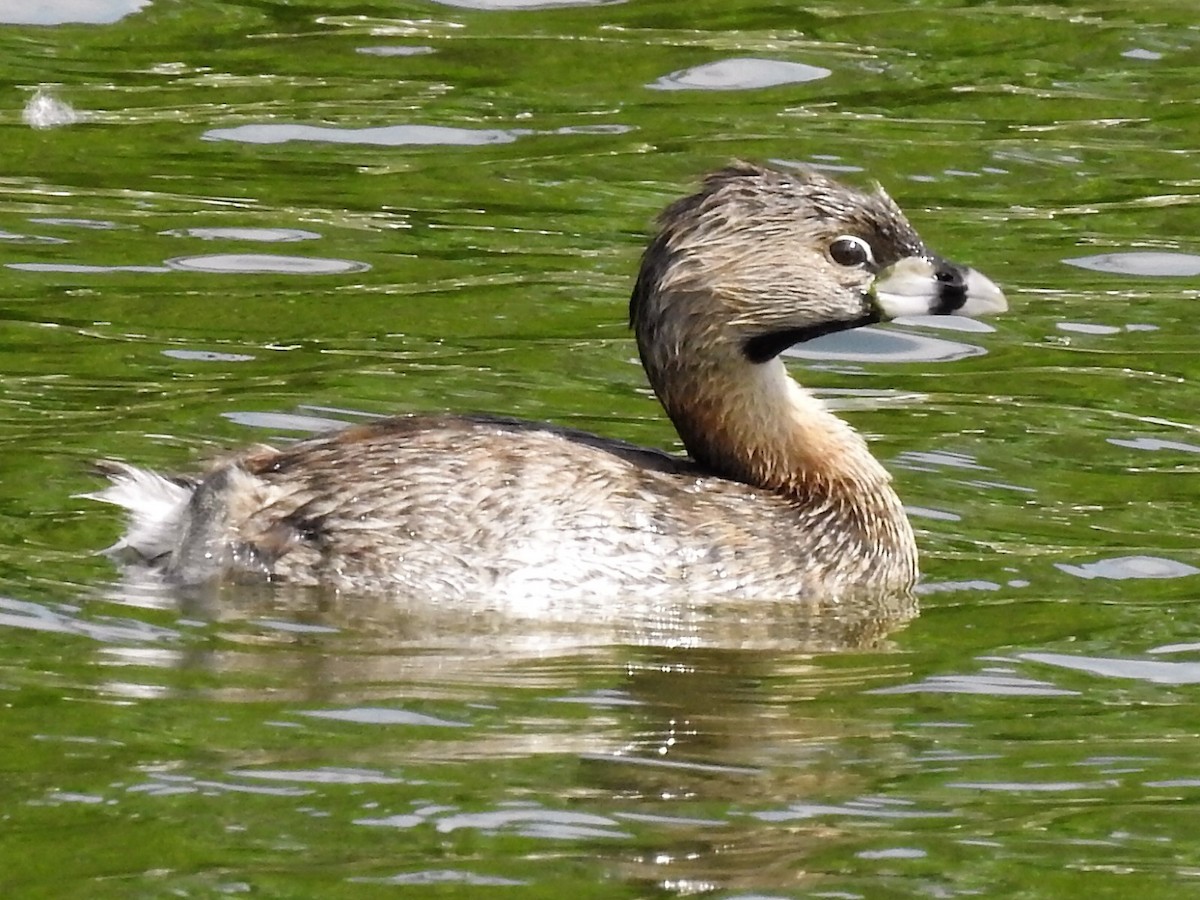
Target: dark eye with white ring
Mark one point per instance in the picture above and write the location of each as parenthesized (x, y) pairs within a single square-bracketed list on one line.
[(848, 250)]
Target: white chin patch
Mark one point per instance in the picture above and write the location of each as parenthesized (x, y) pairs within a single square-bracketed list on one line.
[(908, 288)]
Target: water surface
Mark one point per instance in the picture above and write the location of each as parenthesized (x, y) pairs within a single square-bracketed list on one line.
[(461, 191)]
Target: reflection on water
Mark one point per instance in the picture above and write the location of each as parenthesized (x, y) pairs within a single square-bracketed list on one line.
[(265, 235), (45, 111), (80, 268), (947, 323), (207, 355), (484, 624), (93, 224), (883, 345), (933, 460), (366, 715), (30, 238), (527, 819), (285, 421), (395, 50), (1145, 443), (263, 263), (21, 614), (999, 684), (1123, 567), (397, 135), (1086, 328), (1142, 53), (61, 12), (669, 736), (1152, 671), (1030, 733), (1145, 263), (386, 136), (522, 4), (739, 75), (441, 876)]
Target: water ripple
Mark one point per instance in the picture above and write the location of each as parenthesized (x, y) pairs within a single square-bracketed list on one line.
[(883, 345), (991, 685), (385, 136), (1149, 670), (1119, 568), (323, 775), (35, 617), (440, 876), (266, 264), (63, 12), (866, 808), (265, 235), (395, 50), (375, 715), (1148, 263), (739, 74), (81, 269), (44, 110)]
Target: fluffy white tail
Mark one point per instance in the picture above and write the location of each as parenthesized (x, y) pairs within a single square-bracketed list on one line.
[(156, 507)]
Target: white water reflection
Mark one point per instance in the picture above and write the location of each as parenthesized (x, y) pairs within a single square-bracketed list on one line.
[(861, 808), (962, 324), (439, 876), (1086, 328), (397, 50), (93, 224), (522, 4), (526, 819), (1120, 568), (222, 264), (882, 345), (385, 136), (397, 135), (1149, 263), (207, 356), (995, 685), (263, 263), (1147, 443), (374, 715), (322, 775), (1149, 670), (284, 421), (1030, 786), (601, 128), (739, 74), (15, 238), (262, 235), (825, 162), (937, 515), (44, 110), (62, 12), (80, 268), (933, 460), (64, 619)]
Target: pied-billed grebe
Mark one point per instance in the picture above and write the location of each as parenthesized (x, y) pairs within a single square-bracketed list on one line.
[(779, 497)]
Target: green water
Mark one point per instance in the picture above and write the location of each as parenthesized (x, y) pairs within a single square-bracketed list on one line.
[(1031, 733)]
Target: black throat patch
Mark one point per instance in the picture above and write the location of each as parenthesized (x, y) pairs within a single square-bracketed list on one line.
[(765, 347)]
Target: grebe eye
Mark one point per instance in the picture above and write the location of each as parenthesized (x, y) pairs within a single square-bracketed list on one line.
[(851, 251)]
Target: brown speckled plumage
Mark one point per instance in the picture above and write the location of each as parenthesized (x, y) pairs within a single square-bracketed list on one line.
[(779, 497)]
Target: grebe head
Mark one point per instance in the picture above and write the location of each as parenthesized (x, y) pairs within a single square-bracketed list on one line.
[(756, 261), (759, 260)]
